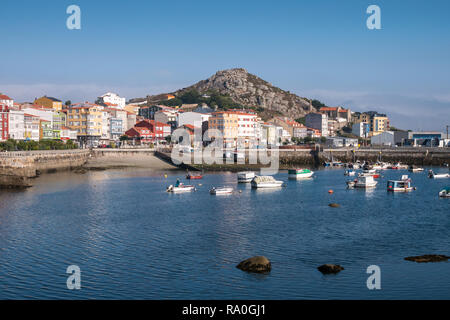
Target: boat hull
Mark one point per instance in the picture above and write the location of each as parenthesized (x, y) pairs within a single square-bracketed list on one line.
[(267, 185), (221, 191)]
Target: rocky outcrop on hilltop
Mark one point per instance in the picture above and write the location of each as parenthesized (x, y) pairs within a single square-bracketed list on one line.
[(252, 91)]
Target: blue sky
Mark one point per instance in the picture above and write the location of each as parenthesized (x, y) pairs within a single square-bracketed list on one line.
[(319, 49)]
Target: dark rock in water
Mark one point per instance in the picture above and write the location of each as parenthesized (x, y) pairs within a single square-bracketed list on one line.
[(257, 264), (334, 205), (80, 170), (428, 258), (330, 268)]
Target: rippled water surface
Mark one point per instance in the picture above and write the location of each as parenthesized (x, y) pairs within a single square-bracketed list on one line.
[(132, 240)]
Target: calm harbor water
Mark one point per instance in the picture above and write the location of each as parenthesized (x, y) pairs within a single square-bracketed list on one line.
[(132, 240)]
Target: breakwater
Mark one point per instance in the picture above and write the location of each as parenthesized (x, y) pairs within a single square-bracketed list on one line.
[(18, 168), (288, 158)]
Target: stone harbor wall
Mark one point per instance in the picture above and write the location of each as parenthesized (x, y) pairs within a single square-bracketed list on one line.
[(18, 168)]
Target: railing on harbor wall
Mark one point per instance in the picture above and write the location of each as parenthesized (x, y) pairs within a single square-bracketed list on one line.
[(12, 154)]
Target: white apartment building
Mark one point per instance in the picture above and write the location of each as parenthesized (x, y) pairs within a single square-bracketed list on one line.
[(247, 126), (16, 124), (106, 130), (119, 114), (114, 99), (195, 119), (5, 100)]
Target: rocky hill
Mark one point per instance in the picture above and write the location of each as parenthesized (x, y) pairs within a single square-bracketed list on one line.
[(252, 91), (247, 90)]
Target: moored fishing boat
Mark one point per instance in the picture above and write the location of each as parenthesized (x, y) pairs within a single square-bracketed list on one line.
[(192, 176), (221, 190), (365, 182), (362, 182), (245, 176), (266, 182), (300, 173), (369, 173), (403, 185), (433, 175), (445, 193), (180, 188)]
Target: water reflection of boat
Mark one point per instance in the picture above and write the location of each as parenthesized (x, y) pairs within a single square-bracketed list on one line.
[(266, 182), (403, 185), (221, 190), (300, 173)]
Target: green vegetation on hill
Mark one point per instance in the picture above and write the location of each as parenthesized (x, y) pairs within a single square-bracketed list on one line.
[(211, 98), (14, 145), (317, 104)]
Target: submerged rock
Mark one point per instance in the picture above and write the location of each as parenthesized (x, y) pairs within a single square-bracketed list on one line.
[(330, 268), (257, 264), (428, 258), (334, 205)]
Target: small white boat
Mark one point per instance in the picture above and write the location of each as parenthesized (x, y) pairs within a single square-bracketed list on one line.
[(222, 190), (403, 185), (415, 169), (266, 182), (433, 175), (245, 176), (445, 193), (365, 182), (300, 173), (180, 188)]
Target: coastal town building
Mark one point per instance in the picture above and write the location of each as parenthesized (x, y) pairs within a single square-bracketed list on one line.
[(131, 120), (167, 116), (318, 121), (86, 119), (339, 142), (68, 134), (425, 138), (7, 101), (335, 113), (195, 119), (16, 124), (389, 138), (49, 102), (59, 121), (4, 122), (294, 128), (111, 99), (224, 124), (378, 122), (361, 129), (45, 130), (31, 127), (149, 131)]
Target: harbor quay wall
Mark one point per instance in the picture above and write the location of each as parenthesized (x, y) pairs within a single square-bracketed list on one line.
[(310, 157), (410, 156), (18, 168)]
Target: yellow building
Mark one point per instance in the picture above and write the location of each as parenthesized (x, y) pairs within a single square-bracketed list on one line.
[(379, 124), (49, 102), (227, 124), (86, 119)]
